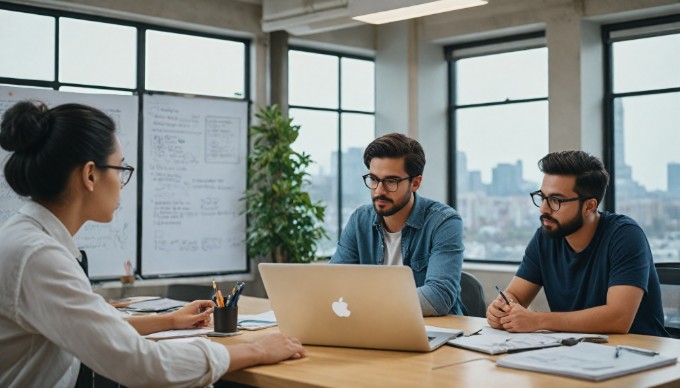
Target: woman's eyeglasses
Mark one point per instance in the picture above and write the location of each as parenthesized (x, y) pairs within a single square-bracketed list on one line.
[(124, 172)]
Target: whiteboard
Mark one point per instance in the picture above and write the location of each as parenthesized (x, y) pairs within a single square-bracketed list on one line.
[(195, 155), (108, 245)]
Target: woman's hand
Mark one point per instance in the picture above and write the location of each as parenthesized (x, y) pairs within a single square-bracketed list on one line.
[(192, 316)]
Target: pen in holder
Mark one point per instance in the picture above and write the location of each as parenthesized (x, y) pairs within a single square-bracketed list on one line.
[(225, 319)]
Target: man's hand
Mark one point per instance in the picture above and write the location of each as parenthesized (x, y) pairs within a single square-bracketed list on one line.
[(519, 320), (497, 310)]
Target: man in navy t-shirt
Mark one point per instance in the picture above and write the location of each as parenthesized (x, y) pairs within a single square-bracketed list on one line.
[(596, 267)]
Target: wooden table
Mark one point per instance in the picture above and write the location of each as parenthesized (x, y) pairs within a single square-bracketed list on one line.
[(445, 367)]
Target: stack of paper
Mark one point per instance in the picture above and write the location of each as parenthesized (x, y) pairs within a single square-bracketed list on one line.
[(168, 334), (586, 361), (257, 321)]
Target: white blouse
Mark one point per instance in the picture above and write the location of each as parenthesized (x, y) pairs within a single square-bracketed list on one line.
[(50, 319)]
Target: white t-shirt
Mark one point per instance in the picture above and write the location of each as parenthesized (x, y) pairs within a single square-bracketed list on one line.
[(50, 319), (393, 248)]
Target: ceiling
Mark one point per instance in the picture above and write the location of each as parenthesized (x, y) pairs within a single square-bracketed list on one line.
[(303, 17)]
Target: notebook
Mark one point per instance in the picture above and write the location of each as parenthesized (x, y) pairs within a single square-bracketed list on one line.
[(587, 361), (359, 306), (494, 341)]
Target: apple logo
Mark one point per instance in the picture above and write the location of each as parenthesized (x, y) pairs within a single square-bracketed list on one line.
[(340, 308)]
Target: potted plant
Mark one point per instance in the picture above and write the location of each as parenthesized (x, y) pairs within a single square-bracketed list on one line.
[(284, 224)]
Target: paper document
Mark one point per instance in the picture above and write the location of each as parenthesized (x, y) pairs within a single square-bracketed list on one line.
[(492, 341), (168, 334), (155, 305), (586, 361), (117, 303), (257, 321)]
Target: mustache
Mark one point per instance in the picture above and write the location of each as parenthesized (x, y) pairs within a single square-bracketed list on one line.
[(547, 217), (382, 197)]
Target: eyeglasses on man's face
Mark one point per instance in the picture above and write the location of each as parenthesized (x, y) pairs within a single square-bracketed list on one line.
[(389, 184), (553, 202), (124, 172)]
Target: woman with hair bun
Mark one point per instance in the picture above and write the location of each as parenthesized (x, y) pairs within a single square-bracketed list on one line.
[(68, 163)]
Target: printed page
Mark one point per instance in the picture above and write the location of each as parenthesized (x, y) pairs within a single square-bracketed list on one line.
[(586, 361), (494, 341)]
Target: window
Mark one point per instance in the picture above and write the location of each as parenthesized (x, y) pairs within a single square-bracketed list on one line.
[(67, 51), (498, 119), (201, 65), (642, 104), (331, 96), (84, 60), (64, 51), (20, 31)]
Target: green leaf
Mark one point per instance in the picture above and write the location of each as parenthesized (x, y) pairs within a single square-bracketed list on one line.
[(281, 214)]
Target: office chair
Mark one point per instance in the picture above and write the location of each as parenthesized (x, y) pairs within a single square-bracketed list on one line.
[(472, 295), (669, 277)]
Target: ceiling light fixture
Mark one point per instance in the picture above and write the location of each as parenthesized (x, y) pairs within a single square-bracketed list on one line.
[(416, 11)]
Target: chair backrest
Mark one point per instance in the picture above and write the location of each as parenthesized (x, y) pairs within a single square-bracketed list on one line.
[(188, 292), (669, 277), (472, 295)]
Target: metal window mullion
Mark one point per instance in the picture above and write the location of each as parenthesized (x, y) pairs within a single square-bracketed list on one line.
[(55, 79), (339, 204)]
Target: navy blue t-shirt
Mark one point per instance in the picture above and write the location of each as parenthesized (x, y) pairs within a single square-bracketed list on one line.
[(618, 254)]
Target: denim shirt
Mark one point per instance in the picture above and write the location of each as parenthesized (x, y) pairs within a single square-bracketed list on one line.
[(431, 244)]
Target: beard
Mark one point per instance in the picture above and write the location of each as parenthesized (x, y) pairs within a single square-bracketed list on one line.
[(560, 230), (395, 206)]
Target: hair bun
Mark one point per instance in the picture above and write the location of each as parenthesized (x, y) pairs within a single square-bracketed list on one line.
[(24, 126)]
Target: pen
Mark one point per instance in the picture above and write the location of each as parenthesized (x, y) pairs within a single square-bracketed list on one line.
[(220, 299), (214, 295), (237, 293), (644, 352), (503, 295)]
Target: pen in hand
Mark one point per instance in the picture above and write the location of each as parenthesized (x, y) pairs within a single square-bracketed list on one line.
[(503, 295)]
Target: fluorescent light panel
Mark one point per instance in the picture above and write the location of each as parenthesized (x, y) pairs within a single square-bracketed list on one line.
[(416, 11)]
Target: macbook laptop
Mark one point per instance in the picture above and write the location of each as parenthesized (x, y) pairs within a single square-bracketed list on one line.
[(361, 306)]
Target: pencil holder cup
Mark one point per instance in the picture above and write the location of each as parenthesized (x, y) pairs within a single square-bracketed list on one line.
[(225, 319)]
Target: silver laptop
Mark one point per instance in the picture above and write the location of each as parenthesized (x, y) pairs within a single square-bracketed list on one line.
[(361, 306)]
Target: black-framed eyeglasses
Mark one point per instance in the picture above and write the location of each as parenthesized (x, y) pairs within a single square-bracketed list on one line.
[(124, 172), (553, 202), (390, 184)]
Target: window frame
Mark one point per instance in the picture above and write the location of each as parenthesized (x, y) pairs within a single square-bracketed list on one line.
[(610, 96), (511, 43), (339, 111), (141, 28), (140, 88)]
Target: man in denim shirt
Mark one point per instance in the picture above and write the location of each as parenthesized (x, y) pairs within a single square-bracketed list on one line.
[(401, 228)]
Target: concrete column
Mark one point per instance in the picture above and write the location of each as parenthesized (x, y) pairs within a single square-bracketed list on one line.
[(575, 84), (278, 70)]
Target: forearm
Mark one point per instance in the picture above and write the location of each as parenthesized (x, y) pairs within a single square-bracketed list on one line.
[(147, 324), (244, 355), (601, 319)]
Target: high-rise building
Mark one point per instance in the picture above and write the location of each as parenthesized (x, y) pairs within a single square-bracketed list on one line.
[(506, 179), (674, 178)]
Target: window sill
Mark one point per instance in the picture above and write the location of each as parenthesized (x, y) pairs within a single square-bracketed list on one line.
[(482, 267)]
